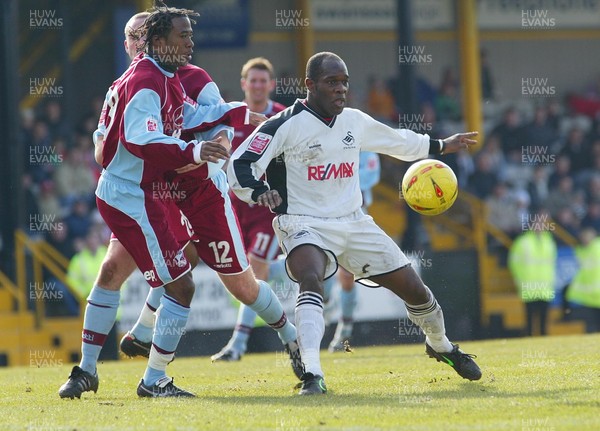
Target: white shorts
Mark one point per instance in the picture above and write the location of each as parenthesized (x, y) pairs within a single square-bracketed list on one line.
[(353, 241)]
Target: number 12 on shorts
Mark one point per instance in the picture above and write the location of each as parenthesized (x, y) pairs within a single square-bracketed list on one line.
[(223, 248)]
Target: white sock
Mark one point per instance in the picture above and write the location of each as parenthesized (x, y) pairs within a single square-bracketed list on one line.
[(430, 318), (311, 327), (143, 328)]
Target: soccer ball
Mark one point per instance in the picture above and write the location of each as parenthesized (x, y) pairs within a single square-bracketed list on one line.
[(429, 187)]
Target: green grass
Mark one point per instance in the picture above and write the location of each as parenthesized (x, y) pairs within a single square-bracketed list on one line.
[(542, 384)]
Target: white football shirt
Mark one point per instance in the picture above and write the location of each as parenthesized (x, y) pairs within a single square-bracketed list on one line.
[(313, 162)]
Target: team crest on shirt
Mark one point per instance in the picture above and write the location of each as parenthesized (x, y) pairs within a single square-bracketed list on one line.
[(151, 125), (348, 141), (259, 143)]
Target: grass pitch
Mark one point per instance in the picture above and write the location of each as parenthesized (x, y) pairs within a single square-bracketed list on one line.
[(542, 384)]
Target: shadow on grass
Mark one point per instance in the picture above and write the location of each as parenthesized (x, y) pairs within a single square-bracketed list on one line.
[(414, 398)]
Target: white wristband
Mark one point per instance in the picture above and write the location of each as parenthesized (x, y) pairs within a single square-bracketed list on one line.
[(441, 147), (197, 150)]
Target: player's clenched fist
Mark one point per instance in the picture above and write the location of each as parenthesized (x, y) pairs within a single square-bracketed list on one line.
[(269, 199)]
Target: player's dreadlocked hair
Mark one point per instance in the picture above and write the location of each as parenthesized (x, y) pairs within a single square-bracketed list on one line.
[(160, 21)]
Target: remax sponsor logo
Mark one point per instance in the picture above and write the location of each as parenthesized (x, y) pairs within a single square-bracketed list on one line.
[(331, 171)]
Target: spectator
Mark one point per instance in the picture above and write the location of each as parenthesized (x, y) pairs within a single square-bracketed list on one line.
[(562, 169), (593, 188), (426, 93), (48, 202), (576, 150), (53, 118), (510, 133), (592, 217), (73, 178), (485, 178), (79, 221), (503, 210), (560, 196), (532, 263), (567, 219), (554, 115), (578, 203), (584, 290), (447, 105), (493, 148), (539, 135), (85, 144), (538, 186), (380, 101), (37, 154)]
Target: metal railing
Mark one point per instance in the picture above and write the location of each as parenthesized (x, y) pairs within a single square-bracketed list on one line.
[(42, 255)]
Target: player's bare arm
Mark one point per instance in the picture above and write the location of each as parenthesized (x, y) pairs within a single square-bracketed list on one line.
[(458, 142), (269, 199), (98, 149)]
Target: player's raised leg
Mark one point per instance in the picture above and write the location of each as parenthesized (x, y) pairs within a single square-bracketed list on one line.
[(221, 247), (99, 318), (424, 311), (307, 264)]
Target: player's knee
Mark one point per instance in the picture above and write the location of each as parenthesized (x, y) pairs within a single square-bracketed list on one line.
[(244, 287), (415, 291), (108, 276), (311, 282), (246, 294), (182, 290)]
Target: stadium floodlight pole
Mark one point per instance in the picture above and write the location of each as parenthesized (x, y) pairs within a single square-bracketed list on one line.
[(407, 99), (406, 90), (470, 65), (305, 36)]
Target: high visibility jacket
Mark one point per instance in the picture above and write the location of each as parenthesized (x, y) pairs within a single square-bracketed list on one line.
[(532, 262), (585, 287)]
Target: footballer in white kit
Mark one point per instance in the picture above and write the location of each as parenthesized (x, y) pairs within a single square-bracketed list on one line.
[(313, 163), (303, 164)]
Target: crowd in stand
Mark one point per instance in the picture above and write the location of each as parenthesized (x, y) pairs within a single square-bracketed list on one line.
[(59, 177), (538, 155)]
